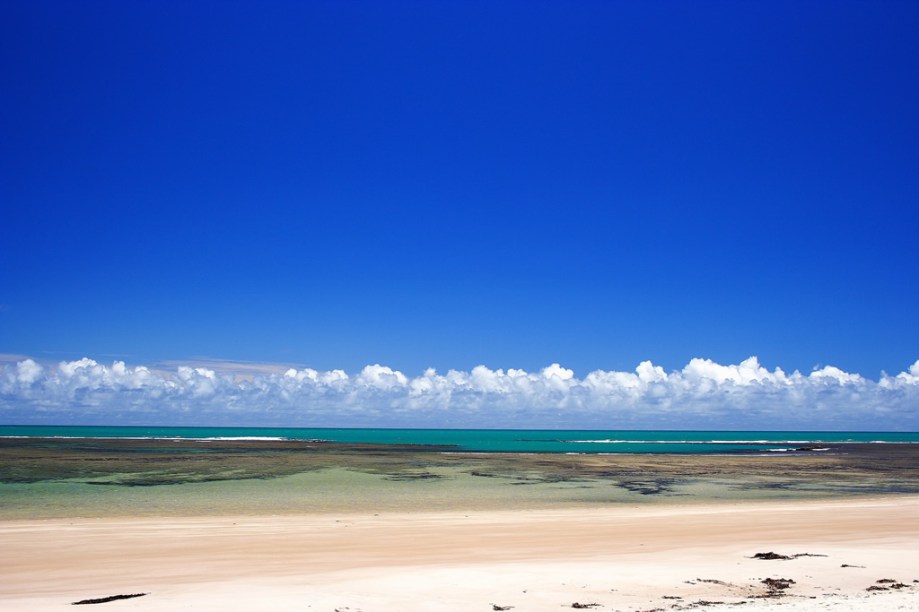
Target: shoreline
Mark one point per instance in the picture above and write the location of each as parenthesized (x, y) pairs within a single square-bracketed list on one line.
[(673, 506), (50, 478), (628, 557)]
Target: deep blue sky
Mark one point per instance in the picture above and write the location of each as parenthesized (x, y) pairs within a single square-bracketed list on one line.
[(446, 184)]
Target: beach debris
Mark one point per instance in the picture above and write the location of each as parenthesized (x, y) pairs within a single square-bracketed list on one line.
[(778, 584), (775, 587), (889, 583), (847, 565), (100, 600), (713, 581), (771, 556), (580, 606), (497, 607)]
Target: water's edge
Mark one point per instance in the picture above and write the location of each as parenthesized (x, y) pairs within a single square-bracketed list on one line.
[(62, 477)]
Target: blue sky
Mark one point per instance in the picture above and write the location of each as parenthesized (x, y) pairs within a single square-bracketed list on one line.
[(444, 185)]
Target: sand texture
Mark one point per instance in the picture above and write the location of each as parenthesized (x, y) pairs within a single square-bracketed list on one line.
[(667, 557)]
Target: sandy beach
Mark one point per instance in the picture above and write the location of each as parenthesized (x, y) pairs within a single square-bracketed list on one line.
[(667, 557)]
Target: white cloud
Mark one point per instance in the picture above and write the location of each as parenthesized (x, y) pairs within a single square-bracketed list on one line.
[(746, 372), (27, 372), (381, 377), (703, 394), (834, 374)]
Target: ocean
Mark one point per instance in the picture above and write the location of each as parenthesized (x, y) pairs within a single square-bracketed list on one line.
[(497, 440), (54, 472)]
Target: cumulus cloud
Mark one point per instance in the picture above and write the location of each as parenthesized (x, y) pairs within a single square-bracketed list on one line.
[(703, 394)]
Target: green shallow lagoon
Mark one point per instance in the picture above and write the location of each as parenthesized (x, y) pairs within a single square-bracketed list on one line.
[(61, 478)]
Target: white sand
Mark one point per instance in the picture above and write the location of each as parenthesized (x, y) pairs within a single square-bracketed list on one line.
[(623, 558)]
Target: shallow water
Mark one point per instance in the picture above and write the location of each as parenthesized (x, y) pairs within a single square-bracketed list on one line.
[(58, 478)]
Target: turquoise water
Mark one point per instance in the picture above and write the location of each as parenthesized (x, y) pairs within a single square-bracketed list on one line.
[(499, 440), (48, 472)]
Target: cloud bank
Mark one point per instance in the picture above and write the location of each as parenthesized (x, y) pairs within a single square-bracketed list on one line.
[(704, 395)]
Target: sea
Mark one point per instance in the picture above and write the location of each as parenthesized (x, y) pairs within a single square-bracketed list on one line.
[(71, 471), (497, 440)]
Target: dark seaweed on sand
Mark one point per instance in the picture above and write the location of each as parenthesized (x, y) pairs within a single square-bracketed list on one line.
[(101, 600)]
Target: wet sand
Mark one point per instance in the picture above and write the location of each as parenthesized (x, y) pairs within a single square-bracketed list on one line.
[(669, 557)]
